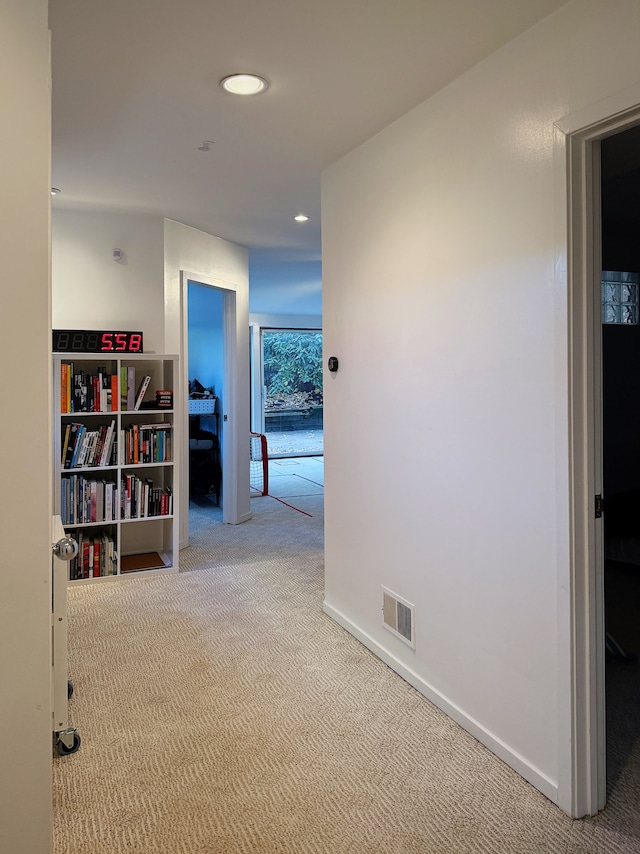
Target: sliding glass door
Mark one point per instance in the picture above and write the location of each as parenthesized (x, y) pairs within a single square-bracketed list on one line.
[(292, 391)]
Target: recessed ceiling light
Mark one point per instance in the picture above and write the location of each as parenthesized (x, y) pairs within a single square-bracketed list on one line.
[(54, 191), (244, 84), (301, 218)]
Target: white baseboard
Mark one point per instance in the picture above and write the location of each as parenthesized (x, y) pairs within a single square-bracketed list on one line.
[(544, 784)]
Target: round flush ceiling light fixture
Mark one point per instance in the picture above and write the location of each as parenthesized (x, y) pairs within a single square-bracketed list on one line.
[(301, 218), (244, 84), (54, 191)]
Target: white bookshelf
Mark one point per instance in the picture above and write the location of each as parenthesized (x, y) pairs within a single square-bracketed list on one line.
[(141, 532)]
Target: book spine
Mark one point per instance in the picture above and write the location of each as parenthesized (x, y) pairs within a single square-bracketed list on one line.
[(70, 445), (65, 444), (128, 497), (131, 388), (144, 385), (123, 387), (105, 455), (86, 438), (100, 490), (86, 550), (135, 442), (77, 445), (64, 386), (96, 557), (90, 450)]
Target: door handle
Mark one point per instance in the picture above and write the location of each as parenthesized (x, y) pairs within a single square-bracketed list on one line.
[(65, 549)]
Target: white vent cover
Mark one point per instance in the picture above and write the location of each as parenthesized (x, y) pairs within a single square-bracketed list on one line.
[(398, 617)]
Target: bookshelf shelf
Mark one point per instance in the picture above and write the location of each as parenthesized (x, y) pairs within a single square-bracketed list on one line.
[(62, 471), (72, 415), (122, 511)]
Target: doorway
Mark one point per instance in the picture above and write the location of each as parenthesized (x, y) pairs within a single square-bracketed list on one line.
[(595, 380), (206, 392), (288, 399), (620, 224), (233, 409)]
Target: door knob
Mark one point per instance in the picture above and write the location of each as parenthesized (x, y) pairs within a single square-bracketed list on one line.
[(65, 549)]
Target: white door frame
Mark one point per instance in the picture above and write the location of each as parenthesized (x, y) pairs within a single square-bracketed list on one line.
[(257, 379), (582, 726), (228, 415)]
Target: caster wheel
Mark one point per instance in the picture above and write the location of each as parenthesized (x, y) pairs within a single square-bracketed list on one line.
[(69, 689), (63, 750)]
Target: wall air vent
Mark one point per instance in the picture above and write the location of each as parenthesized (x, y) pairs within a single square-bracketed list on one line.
[(398, 617)]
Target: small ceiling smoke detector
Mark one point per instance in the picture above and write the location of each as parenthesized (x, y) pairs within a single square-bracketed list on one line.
[(54, 191), (244, 84), (301, 218), (206, 145)]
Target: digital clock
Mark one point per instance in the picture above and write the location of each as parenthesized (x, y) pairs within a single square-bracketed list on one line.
[(96, 341)]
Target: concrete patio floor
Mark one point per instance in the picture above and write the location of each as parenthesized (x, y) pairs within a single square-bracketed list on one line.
[(295, 443)]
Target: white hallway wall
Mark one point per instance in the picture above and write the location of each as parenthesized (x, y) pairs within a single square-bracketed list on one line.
[(91, 290), (25, 323), (442, 300)]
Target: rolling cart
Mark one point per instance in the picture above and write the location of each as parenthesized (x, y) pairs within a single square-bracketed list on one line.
[(66, 739)]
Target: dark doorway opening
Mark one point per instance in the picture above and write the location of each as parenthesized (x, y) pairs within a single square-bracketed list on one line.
[(620, 223)]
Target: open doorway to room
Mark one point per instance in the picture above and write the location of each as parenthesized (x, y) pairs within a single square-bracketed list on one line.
[(288, 369), (620, 315), (205, 392), (601, 738), (286, 418)]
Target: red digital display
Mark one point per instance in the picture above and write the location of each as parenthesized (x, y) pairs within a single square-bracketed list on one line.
[(96, 341)]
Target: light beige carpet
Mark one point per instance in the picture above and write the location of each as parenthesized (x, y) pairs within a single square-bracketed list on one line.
[(221, 711)]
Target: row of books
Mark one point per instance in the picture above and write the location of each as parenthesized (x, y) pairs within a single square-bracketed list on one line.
[(96, 556), (91, 448), (82, 392), (147, 443), (100, 392), (140, 443), (83, 500), (140, 499)]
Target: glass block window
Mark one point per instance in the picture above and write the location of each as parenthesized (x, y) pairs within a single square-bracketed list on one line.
[(620, 297)]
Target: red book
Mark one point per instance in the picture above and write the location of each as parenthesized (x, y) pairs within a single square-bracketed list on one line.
[(136, 440), (64, 386), (114, 393), (86, 555)]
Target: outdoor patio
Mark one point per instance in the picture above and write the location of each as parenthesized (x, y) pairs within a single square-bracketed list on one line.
[(295, 443)]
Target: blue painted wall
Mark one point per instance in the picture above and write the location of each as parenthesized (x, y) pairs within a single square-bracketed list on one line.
[(205, 338)]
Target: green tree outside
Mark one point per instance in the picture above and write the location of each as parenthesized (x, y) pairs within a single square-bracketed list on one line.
[(293, 363)]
